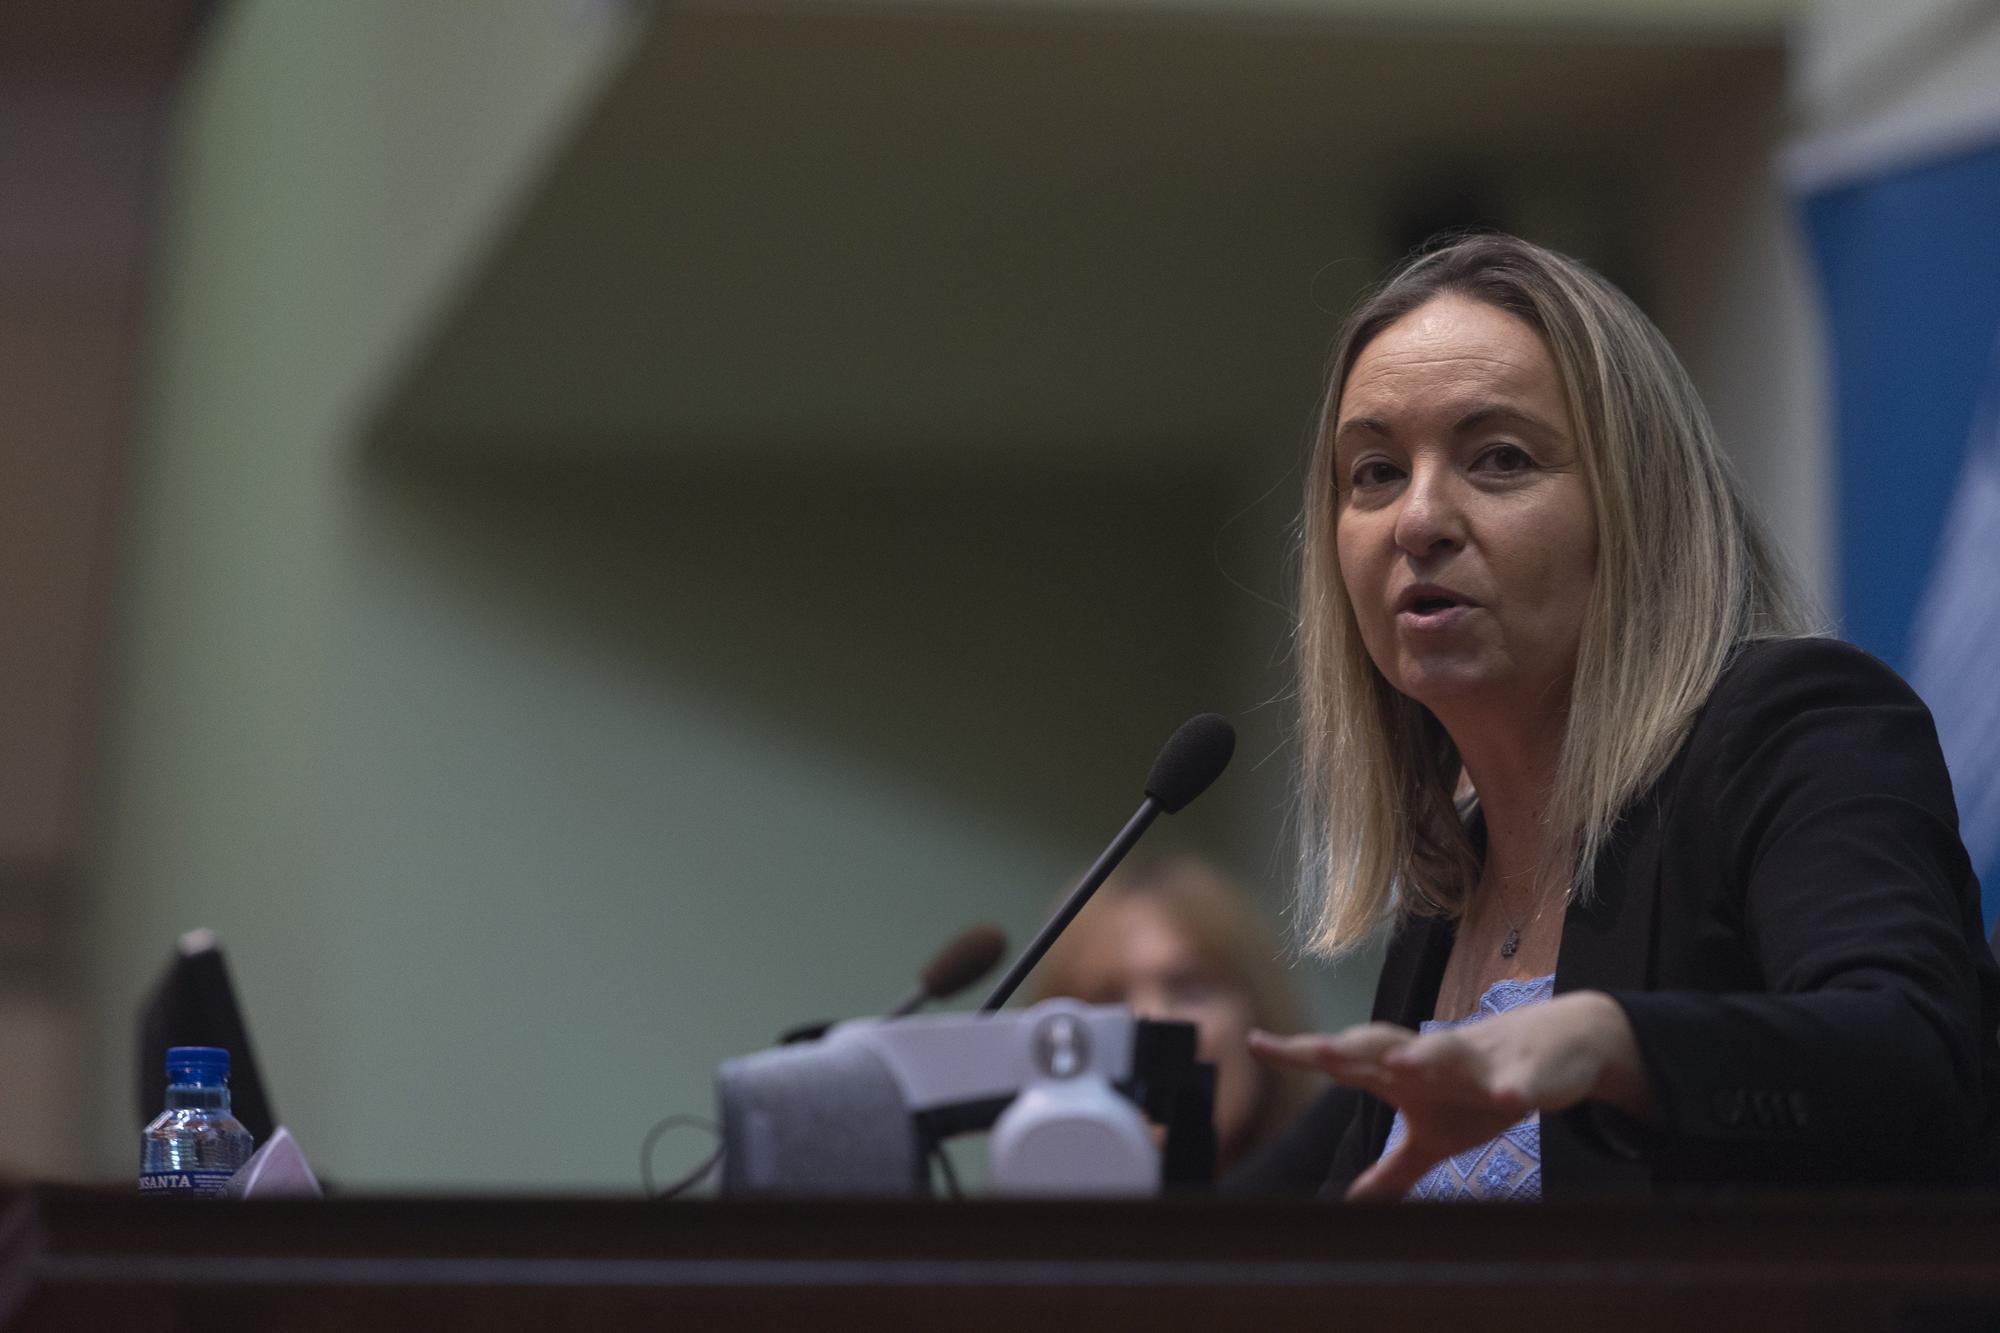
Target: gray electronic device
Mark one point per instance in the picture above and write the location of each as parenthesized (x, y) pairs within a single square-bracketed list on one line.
[(277, 1170), (1067, 1089)]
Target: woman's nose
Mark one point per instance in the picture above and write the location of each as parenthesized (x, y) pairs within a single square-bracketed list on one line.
[(1430, 517)]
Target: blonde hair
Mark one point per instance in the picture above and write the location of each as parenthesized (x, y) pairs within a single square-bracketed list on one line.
[(1684, 575), (1220, 922)]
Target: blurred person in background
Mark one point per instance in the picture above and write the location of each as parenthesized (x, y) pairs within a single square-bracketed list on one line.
[(1179, 940), (1675, 888)]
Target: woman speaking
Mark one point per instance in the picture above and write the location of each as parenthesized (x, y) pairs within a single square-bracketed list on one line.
[(1676, 890)]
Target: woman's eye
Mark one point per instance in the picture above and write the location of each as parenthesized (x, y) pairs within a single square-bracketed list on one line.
[(1506, 458), (1373, 472)]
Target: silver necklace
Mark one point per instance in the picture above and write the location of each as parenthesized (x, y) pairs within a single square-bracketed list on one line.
[(1512, 943)]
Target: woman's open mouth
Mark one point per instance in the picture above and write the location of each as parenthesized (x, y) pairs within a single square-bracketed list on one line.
[(1425, 607)]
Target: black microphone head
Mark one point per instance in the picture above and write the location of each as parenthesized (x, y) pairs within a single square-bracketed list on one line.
[(969, 956), (1193, 757)]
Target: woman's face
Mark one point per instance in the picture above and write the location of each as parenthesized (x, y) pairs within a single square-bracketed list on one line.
[(1137, 955), (1463, 521)]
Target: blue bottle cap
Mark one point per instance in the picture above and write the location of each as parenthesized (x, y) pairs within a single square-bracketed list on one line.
[(197, 1065)]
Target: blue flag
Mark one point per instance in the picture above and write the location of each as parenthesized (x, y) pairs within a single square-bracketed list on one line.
[(1909, 258), (1955, 642)]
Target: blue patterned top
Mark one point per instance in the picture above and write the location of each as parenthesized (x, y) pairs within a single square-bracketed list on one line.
[(1507, 1167)]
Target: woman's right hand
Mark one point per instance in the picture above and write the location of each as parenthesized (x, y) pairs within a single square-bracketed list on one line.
[(1460, 1088)]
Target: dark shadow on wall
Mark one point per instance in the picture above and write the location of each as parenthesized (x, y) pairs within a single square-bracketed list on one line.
[(1020, 643)]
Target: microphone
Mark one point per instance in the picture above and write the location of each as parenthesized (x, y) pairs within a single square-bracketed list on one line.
[(1193, 757), (965, 958), (968, 956)]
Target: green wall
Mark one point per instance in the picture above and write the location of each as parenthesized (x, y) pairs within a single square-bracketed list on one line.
[(521, 793)]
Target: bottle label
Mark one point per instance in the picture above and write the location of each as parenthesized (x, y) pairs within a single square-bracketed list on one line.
[(185, 1184)]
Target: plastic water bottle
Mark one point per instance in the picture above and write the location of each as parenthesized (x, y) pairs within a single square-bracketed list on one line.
[(194, 1146)]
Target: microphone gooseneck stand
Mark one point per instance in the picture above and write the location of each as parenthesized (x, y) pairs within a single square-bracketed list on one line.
[(1100, 870)]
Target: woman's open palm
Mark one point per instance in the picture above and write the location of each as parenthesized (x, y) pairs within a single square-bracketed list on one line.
[(1460, 1088)]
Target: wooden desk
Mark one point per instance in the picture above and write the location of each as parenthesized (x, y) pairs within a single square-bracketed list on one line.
[(77, 1259)]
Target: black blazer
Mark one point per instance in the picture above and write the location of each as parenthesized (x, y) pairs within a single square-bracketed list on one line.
[(1792, 926)]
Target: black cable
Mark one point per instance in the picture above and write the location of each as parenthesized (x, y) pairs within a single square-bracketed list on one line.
[(652, 1139)]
